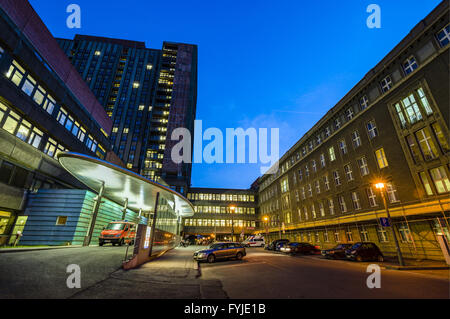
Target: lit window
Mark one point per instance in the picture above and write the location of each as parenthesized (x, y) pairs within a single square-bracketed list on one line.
[(400, 115), (322, 160), (332, 154), (426, 183), (135, 85), (443, 36), (97, 53), (405, 234), (35, 138), (410, 65), (427, 145), (382, 234), (381, 158), (28, 85), (24, 130), (424, 100), (414, 149), (440, 179), (411, 109), (331, 206), (11, 122), (149, 66)]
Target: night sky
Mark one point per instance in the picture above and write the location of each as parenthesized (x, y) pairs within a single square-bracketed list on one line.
[(267, 64)]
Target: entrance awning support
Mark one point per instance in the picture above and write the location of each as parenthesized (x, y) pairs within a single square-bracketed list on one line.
[(124, 210), (98, 201), (154, 224)]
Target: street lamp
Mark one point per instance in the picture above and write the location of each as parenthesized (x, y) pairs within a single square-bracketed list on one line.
[(266, 220), (381, 187), (232, 210)]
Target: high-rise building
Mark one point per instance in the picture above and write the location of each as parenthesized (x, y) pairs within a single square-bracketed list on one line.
[(391, 128), (147, 93), (45, 108)]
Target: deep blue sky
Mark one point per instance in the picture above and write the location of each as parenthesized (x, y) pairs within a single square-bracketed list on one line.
[(261, 63)]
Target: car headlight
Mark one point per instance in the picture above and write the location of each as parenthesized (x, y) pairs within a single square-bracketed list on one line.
[(201, 255)]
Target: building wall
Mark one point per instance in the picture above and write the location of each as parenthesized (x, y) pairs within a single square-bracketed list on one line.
[(418, 66)]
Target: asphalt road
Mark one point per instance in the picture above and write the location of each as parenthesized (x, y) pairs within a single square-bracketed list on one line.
[(42, 274), (267, 275)]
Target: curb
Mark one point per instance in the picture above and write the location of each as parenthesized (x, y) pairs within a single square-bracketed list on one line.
[(417, 267), (20, 250)]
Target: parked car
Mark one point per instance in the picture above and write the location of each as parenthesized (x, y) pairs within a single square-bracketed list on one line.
[(222, 250), (337, 252), (364, 251), (118, 233), (275, 244), (300, 248), (254, 241)]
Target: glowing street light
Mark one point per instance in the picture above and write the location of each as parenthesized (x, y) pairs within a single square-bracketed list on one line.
[(381, 187), (232, 210)]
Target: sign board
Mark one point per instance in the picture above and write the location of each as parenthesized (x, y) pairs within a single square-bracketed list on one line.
[(385, 222), (147, 237)]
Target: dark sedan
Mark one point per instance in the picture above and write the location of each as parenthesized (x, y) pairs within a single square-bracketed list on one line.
[(337, 252), (300, 248), (364, 251), (275, 245)]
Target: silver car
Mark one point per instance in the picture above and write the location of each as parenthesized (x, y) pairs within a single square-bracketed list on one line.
[(223, 250)]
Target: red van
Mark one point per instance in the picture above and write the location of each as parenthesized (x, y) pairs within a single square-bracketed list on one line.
[(118, 233)]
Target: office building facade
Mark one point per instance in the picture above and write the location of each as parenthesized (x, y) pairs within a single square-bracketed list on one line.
[(222, 214), (392, 127), (45, 108), (148, 93)]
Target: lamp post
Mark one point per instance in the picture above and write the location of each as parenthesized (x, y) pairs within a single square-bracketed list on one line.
[(232, 209), (382, 187), (266, 222)]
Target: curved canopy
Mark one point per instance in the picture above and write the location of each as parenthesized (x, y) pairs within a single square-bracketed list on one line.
[(121, 184)]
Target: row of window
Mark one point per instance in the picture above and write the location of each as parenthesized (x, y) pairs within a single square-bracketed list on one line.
[(223, 210), (222, 197), (364, 235), (218, 223), (19, 76), (13, 123)]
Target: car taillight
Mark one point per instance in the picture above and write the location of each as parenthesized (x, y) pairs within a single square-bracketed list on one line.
[(317, 247)]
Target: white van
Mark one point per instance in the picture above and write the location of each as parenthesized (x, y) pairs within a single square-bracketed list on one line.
[(254, 241)]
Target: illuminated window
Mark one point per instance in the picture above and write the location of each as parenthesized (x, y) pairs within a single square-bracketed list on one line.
[(381, 158), (440, 179), (372, 197), (356, 201), (426, 183), (332, 154), (427, 145), (348, 172), (342, 204)]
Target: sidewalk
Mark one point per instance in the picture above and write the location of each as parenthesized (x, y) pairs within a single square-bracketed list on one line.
[(414, 264), (175, 275)]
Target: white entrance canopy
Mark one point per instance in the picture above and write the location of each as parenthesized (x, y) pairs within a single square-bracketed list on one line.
[(120, 184)]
